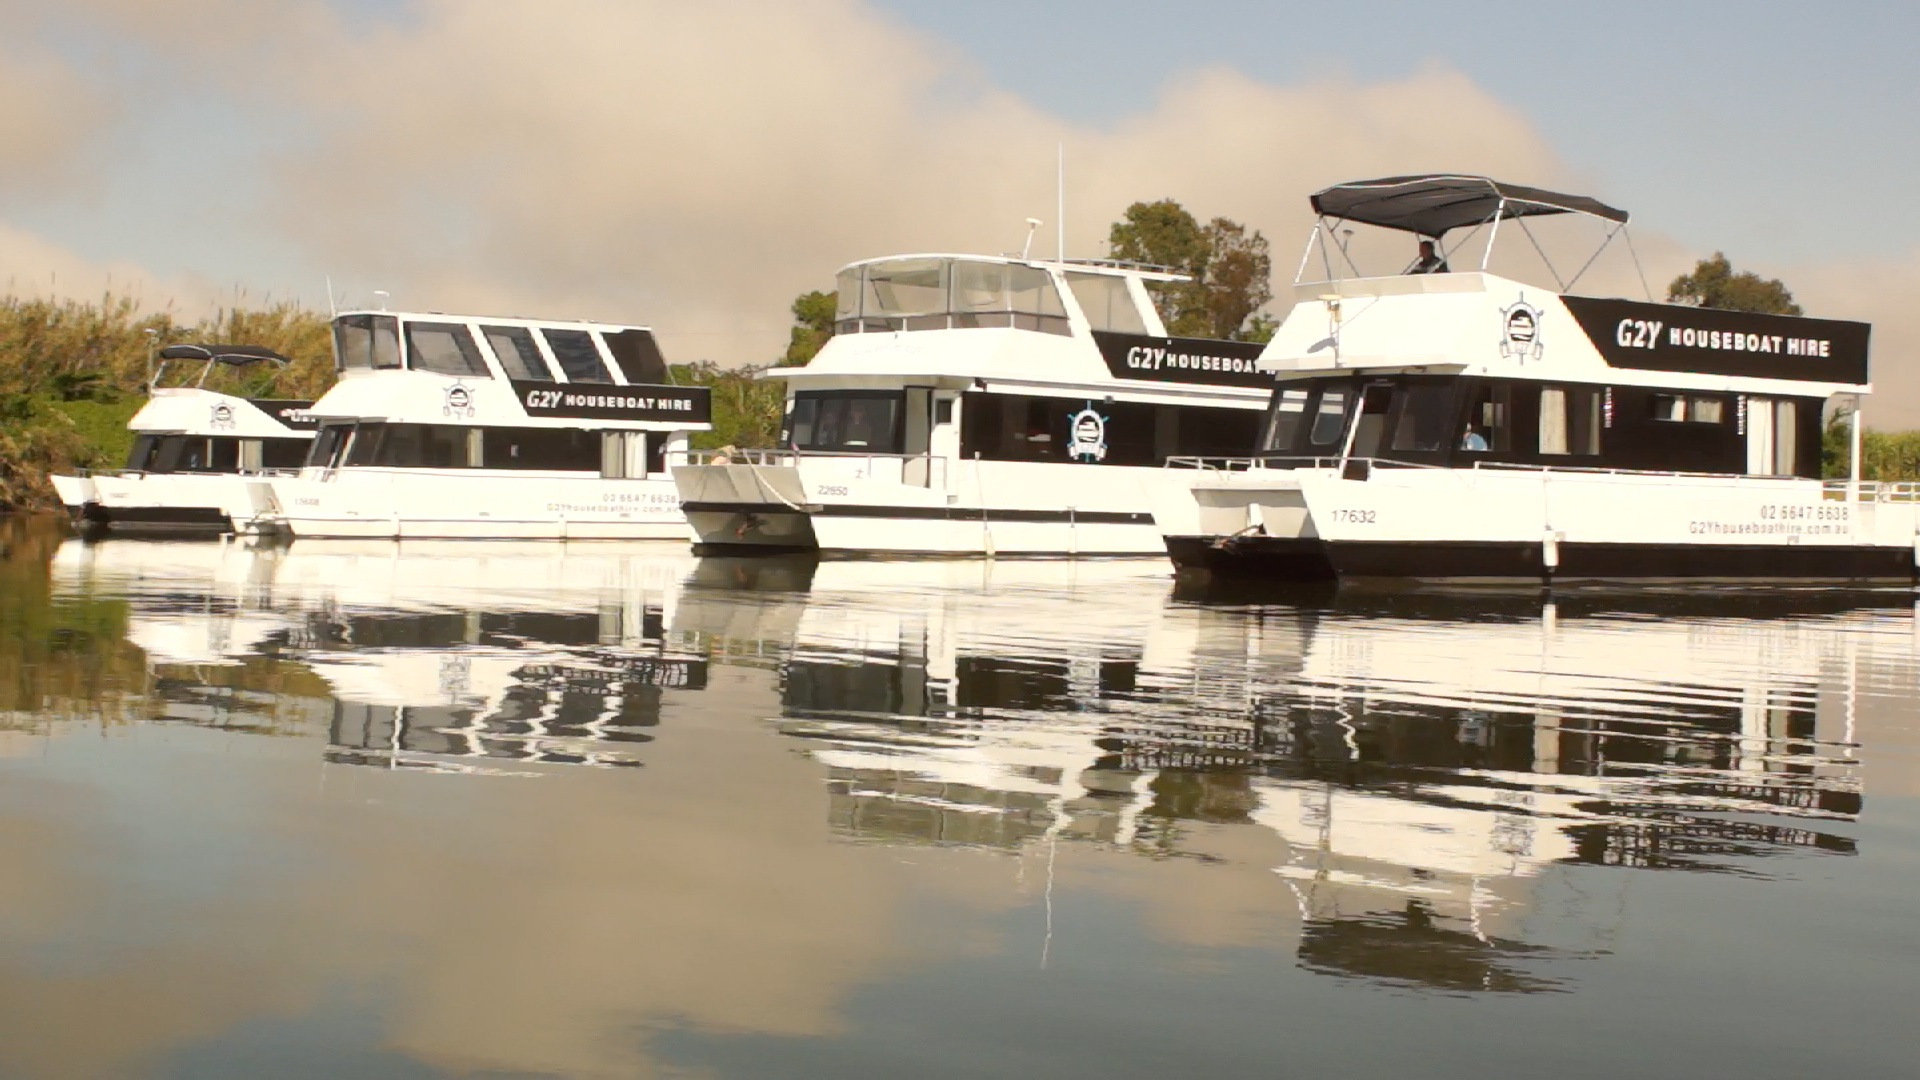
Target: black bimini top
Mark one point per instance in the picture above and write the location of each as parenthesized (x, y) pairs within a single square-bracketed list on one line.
[(1430, 205), (226, 354)]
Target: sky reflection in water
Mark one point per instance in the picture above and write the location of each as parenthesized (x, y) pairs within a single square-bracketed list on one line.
[(608, 809)]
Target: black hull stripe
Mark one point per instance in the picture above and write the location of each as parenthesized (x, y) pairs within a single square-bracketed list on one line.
[(154, 518), (1313, 560), (927, 513)]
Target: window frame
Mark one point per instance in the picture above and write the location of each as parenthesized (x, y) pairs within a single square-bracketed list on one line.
[(462, 336)]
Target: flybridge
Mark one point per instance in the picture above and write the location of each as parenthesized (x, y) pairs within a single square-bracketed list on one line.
[(1433, 315), (492, 370)]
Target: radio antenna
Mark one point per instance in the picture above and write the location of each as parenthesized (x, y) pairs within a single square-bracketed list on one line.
[(1060, 213), (332, 310), (1033, 224)]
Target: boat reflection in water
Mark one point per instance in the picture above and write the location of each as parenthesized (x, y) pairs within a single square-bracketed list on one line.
[(447, 656), (1420, 791), (1424, 787)]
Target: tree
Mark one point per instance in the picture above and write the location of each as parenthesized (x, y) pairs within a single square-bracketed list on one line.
[(1231, 270), (1714, 284), (1237, 277), (812, 325), (746, 409)]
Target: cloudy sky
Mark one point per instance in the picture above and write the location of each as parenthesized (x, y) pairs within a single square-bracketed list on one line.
[(694, 166)]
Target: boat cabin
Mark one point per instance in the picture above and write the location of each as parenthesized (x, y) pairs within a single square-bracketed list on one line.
[(1009, 359), (186, 427), (430, 390), (1445, 363)]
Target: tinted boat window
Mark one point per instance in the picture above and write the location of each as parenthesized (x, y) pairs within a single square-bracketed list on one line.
[(366, 342), (1330, 419), (445, 349), (519, 356), (638, 355), (846, 421), (282, 453), (1426, 417), (937, 294), (327, 444), (1288, 413), (363, 447), (1107, 302), (1489, 421), (1570, 420), (578, 357), (561, 449), (143, 450)]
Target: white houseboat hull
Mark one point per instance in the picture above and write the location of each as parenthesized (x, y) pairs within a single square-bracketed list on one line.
[(1546, 525), (845, 506), (172, 503), (375, 503)]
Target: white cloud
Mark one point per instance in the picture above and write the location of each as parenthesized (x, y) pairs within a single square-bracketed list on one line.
[(696, 166), (33, 266)]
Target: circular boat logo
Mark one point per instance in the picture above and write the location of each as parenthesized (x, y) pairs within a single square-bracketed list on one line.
[(1520, 331), (222, 416), (459, 401), (1087, 435)]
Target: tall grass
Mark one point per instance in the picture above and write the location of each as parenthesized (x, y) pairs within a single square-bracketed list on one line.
[(1884, 455), (73, 372)]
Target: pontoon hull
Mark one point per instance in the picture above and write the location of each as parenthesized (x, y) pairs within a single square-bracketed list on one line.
[(1265, 558), (168, 504), (1477, 525), (841, 508), (383, 504)]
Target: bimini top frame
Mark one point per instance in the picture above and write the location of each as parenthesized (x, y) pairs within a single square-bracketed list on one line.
[(209, 355), (1435, 204)]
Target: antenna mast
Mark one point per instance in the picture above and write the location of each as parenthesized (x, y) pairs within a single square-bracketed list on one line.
[(1060, 215)]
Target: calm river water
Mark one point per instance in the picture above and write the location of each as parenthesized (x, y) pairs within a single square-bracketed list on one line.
[(383, 810)]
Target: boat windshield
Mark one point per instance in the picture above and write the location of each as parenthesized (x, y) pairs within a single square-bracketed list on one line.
[(364, 342), (947, 294), (845, 421)]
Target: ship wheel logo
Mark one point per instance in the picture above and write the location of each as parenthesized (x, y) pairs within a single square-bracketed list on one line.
[(459, 401), (222, 416), (1087, 435), (1520, 331)]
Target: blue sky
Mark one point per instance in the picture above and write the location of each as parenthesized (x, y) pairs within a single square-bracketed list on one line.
[(1779, 131)]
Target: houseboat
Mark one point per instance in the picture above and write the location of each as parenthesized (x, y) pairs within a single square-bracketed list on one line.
[(473, 427), (1464, 425), (969, 405), (190, 443)]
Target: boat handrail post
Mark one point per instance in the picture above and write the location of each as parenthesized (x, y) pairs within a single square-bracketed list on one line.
[(1853, 452), (1307, 252), (1500, 211)]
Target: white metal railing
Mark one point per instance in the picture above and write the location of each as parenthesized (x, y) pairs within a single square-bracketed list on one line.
[(1285, 463), (1904, 491), (187, 472), (1245, 464), (872, 463)]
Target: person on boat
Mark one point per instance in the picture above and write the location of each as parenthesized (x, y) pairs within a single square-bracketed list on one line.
[(1430, 261), (1473, 440)]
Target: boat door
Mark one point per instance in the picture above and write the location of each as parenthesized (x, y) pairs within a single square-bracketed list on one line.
[(1369, 430), (1772, 427), (917, 444)]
